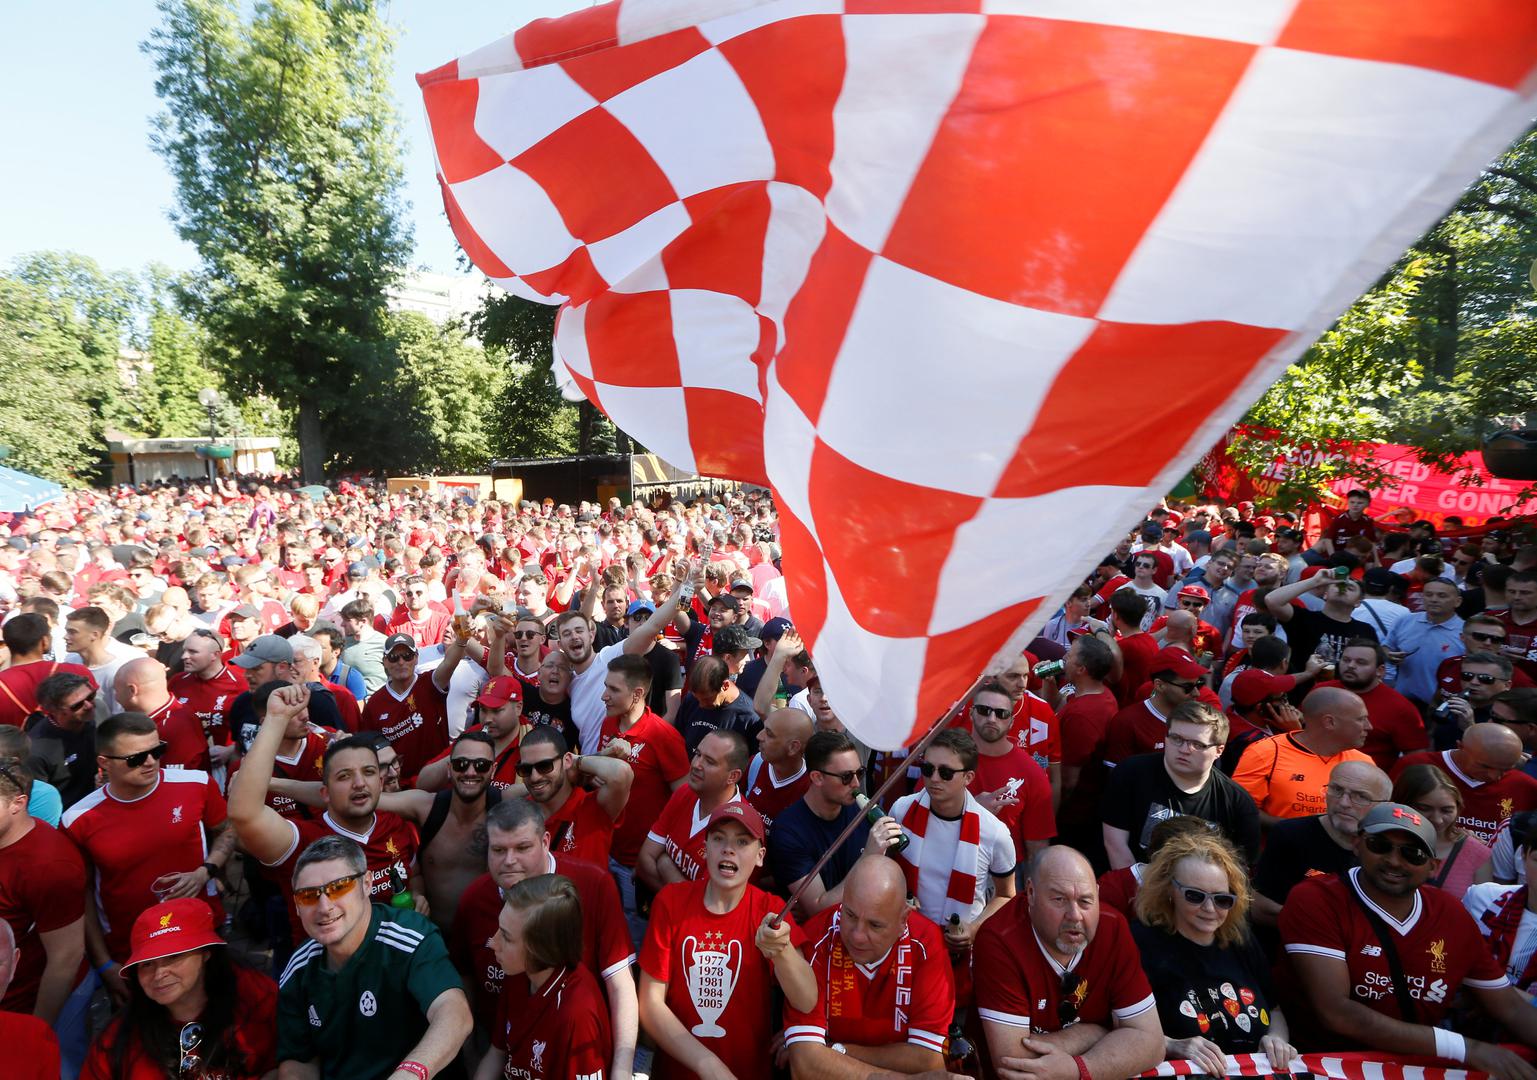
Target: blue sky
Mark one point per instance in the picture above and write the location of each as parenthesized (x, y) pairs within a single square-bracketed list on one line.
[(78, 95)]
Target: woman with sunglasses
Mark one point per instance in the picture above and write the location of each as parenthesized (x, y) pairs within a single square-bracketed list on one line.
[(1432, 793), (192, 1011), (1211, 979)]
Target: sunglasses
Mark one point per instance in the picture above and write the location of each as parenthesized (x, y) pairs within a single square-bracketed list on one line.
[(1487, 639), (400, 658), (1413, 854), (544, 768), (991, 710), (1187, 687), (84, 703), (1222, 901), (527, 635), (331, 890), (136, 761), (465, 764), (928, 769), (1479, 676), (1067, 1008), (847, 779), (1193, 605), (189, 1042)]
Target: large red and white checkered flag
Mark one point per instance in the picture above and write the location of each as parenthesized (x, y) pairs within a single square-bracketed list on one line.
[(969, 282)]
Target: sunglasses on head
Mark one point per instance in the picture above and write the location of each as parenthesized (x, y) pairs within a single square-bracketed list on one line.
[(464, 764), (847, 779), (135, 761), (544, 768), (991, 710), (331, 890), (928, 769), (1222, 901), (1479, 676), (1413, 854), (1487, 639)]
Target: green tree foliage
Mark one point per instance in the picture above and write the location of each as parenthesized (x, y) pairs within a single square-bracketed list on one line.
[(1437, 353), (282, 139), (176, 351), (430, 404), (46, 380)]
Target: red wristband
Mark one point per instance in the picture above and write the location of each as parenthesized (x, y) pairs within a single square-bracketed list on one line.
[(1083, 1068), (418, 1070)]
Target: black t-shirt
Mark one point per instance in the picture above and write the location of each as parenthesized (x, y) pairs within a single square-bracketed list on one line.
[(66, 759), (751, 675), (666, 676), (695, 721), (538, 711), (1228, 990), (1144, 794), (606, 634), (798, 838), (1308, 629), (1296, 849)]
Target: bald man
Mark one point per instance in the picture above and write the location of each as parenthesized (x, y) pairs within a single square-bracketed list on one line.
[(1319, 844), (140, 686), (1287, 773), (885, 1005), (1486, 767), (1058, 978), (777, 776)]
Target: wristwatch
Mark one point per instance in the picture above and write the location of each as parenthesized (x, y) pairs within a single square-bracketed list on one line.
[(213, 871)]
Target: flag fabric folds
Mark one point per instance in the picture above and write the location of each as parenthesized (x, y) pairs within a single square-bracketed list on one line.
[(970, 283)]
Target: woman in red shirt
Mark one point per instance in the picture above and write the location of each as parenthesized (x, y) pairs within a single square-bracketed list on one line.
[(191, 1011)]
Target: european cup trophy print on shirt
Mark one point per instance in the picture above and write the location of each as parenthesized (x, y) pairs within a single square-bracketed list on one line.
[(713, 967)]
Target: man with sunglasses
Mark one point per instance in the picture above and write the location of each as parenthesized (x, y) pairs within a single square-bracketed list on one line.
[(1139, 727), (28, 638), (1484, 676), (806, 829), (1343, 934), (1425, 643), (1182, 778), (418, 617), (148, 834), (1060, 988), (1486, 767), (1480, 633), (1006, 779), (411, 708), (372, 994), (582, 820), (63, 736)]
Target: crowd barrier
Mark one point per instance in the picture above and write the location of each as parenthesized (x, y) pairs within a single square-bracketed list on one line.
[(1343, 1066)]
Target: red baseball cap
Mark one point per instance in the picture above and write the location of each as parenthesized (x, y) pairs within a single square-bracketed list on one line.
[(740, 812), (499, 691), (1196, 591), (1253, 686), (171, 928), (1177, 663)]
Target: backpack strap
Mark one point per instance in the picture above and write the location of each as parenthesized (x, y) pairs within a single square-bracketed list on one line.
[(752, 771), (435, 819), (1385, 936)]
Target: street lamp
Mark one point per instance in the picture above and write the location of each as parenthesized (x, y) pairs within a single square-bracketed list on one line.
[(210, 399)]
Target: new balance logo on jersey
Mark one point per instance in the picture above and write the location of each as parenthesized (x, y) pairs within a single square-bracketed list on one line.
[(1298, 778), (366, 1004), (314, 1017), (1371, 950)]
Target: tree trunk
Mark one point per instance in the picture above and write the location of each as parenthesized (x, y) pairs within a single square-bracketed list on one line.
[(1447, 311), (587, 415), (312, 442)]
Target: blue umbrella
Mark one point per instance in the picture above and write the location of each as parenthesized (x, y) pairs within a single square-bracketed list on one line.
[(21, 491)]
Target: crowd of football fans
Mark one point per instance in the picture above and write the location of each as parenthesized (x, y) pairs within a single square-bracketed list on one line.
[(395, 785)]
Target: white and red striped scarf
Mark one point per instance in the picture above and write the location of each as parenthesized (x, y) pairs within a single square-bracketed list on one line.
[(961, 891)]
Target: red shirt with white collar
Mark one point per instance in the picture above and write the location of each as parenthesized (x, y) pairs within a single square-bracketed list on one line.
[(1486, 805), (209, 700), (415, 723), (680, 828), (560, 1031)]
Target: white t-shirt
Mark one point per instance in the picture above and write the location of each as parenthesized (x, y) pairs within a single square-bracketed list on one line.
[(1480, 899), (995, 856), (587, 696)]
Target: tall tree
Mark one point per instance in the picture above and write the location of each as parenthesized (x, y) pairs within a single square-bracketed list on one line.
[(283, 142)]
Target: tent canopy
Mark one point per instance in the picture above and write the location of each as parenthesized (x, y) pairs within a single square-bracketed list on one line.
[(21, 492)]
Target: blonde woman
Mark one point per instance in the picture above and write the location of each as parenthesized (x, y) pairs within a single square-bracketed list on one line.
[(1210, 978)]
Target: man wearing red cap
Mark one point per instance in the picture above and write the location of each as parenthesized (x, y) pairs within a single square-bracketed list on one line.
[(1260, 709), (1206, 638), (1139, 728), (212, 1025), (501, 717), (712, 947)]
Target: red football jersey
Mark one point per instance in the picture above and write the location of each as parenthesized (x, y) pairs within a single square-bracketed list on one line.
[(1085, 724), (1397, 727), (42, 889), (389, 845), (18, 687), (680, 828), (718, 983), (581, 829), (1019, 985), (606, 947), (346, 705), (1017, 774), (209, 699), (1485, 806), (1136, 729), (1138, 654), (415, 723), (770, 794), (907, 997), (1439, 944), (131, 844), (426, 632), (305, 764), (1118, 888), (1035, 730), (1343, 528), (561, 1031), (659, 760), (1520, 642), (186, 744)]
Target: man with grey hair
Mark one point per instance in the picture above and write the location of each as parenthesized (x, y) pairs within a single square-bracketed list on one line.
[(308, 668), (372, 987)]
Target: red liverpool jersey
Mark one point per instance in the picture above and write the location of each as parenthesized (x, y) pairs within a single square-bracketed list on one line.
[(415, 723), (659, 761), (581, 829), (680, 829), (42, 889), (1485, 805), (560, 1032), (209, 699)]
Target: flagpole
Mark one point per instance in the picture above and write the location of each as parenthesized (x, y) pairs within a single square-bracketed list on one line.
[(901, 770)]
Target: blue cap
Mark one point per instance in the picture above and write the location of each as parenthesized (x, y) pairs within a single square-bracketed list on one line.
[(357, 569), (775, 629), (639, 605)]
